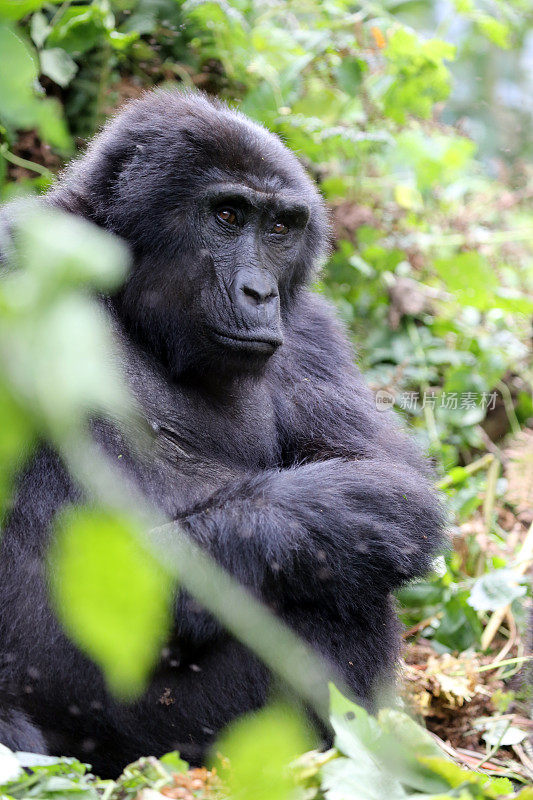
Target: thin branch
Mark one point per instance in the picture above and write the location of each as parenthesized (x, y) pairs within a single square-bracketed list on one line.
[(23, 162)]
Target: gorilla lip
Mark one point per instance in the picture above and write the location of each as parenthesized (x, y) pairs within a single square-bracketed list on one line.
[(262, 344)]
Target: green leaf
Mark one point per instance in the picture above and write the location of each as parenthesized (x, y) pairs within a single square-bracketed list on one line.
[(39, 28), (355, 729), (17, 433), (80, 29), (470, 278), (58, 65), (20, 106), (497, 32), (419, 594), (173, 762), (63, 250), (456, 777), (459, 628), (10, 768), (350, 74), (16, 9), (356, 778), (260, 749), (403, 750), (495, 590), (18, 71), (112, 597), (382, 753), (121, 41)]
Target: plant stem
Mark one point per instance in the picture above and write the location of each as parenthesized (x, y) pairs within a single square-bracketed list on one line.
[(470, 469), (23, 162)]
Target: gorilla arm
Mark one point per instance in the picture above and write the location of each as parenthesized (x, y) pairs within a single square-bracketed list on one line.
[(351, 517), (330, 531)]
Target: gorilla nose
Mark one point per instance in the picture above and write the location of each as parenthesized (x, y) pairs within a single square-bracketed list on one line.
[(255, 289)]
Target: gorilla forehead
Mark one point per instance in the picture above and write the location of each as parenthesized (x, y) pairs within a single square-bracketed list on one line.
[(197, 141), (215, 140), (151, 165)]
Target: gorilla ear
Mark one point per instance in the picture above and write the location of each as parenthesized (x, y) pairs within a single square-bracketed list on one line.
[(89, 185)]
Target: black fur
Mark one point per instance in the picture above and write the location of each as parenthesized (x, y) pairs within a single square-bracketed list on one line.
[(271, 454)]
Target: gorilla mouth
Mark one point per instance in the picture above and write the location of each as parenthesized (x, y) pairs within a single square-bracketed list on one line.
[(264, 343)]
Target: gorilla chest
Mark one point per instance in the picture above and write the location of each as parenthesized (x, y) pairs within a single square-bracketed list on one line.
[(203, 443)]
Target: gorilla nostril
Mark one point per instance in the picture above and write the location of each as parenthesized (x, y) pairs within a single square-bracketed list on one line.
[(258, 296), (252, 293)]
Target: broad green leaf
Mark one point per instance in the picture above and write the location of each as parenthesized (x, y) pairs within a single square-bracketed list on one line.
[(260, 749), (350, 73), (10, 768), (355, 729), (496, 590), (456, 777), (402, 749), (470, 278), (121, 41), (58, 65), (16, 9), (63, 250), (347, 778), (459, 628), (18, 71), (113, 598), (496, 31), (66, 363), (421, 593), (20, 106), (173, 762), (17, 433)]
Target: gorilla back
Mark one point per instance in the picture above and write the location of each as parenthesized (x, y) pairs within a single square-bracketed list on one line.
[(267, 446)]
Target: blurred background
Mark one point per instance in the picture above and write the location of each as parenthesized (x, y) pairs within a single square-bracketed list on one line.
[(416, 121)]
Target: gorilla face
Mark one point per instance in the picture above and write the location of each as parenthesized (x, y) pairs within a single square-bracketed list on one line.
[(253, 239), (223, 224)]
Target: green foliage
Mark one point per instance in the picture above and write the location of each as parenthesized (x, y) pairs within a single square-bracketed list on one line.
[(112, 596), (49, 780), (57, 369), (20, 106), (389, 756), (495, 590), (357, 93), (419, 76), (257, 751), (53, 338)]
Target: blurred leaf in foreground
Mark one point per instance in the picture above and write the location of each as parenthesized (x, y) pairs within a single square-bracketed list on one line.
[(113, 598), (260, 749), (56, 352)]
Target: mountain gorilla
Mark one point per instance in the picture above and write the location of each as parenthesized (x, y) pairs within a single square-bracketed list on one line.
[(266, 444)]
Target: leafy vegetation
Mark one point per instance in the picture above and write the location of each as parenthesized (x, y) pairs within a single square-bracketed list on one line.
[(432, 270), (388, 756)]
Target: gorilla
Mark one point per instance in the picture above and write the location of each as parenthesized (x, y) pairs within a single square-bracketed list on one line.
[(265, 443)]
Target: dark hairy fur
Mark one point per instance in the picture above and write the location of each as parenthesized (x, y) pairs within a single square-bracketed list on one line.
[(266, 445)]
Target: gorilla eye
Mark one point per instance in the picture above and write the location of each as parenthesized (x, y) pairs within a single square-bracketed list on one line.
[(279, 227), (227, 215)]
